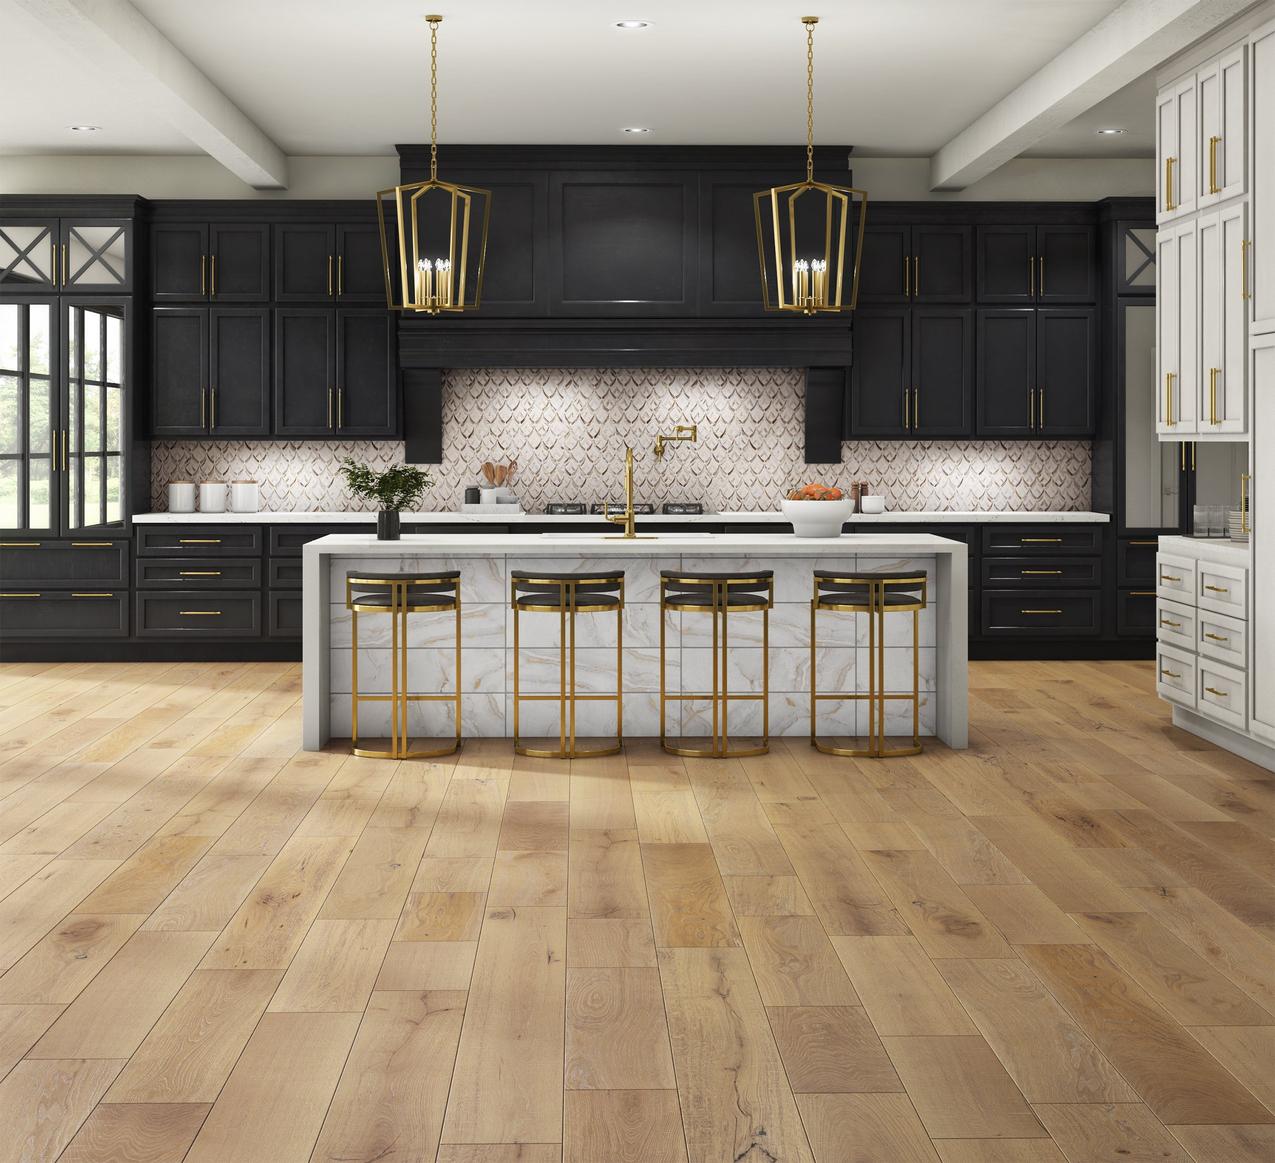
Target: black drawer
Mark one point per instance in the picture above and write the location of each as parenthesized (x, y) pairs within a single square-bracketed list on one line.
[(287, 540), (163, 614), (1037, 572), (199, 540), (1135, 559), (63, 614), (283, 618), (216, 573), (1042, 613), (1001, 540), (63, 563), (284, 573), (1135, 613)]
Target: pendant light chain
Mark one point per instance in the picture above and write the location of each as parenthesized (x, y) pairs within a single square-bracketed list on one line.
[(433, 96), (810, 101)]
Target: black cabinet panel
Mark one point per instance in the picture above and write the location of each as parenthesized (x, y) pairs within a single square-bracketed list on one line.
[(1135, 613), (64, 563), (624, 247), (516, 280), (360, 270), (289, 540), (1000, 540), (1041, 572), (304, 364), (941, 267), (304, 262), (284, 573), (942, 370), (1042, 613), (199, 540), (1066, 370), (1135, 561), (179, 346), (65, 614), (729, 271), (1006, 371), (1067, 264), (239, 371), (171, 573), (283, 614), (164, 614), (880, 374), (884, 271), (239, 262), (366, 373), (1007, 264), (179, 261)]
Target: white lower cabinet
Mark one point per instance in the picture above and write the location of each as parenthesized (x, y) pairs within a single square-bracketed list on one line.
[(1175, 625), (1221, 693), (1175, 675), (1263, 521), (1222, 638)]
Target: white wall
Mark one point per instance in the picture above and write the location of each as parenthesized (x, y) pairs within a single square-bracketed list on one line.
[(890, 179)]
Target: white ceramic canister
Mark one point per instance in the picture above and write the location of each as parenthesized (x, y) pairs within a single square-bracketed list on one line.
[(212, 496), (181, 496), (245, 497)]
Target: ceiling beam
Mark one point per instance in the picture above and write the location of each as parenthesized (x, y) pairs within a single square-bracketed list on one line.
[(136, 58), (1135, 38)]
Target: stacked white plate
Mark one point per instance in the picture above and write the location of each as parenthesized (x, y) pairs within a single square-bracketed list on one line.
[(1234, 525)]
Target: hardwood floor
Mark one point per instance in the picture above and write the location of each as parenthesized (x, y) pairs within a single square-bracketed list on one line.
[(1057, 946)]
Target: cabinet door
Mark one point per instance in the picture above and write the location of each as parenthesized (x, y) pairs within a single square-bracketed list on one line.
[(366, 373), (30, 422), (1262, 501), (942, 370), (1261, 265), (1177, 331), (1167, 311), (1231, 394), (239, 371), (97, 255), (1208, 120), (885, 271), (179, 371), (304, 364), (516, 279), (304, 262), (1186, 391), (30, 259), (1208, 238), (1066, 264), (239, 262), (1006, 264), (179, 261), (95, 425), (1006, 372), (360, 271), (880, 373), (729, 275), (1221, 111), (941, 266), (1066, 371), (1177, 169)]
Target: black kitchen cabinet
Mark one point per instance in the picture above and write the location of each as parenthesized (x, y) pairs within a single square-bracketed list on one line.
[(1037, 264), (80, 255), (928, 263), (328, 262), (215, 263), (880, 398), (210, 371), (335, 372), (942, 371), (885, 270), (360, 268), (729, 273), (1036, 371)]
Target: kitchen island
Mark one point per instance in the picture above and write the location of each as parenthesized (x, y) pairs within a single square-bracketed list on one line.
[(485, 563)]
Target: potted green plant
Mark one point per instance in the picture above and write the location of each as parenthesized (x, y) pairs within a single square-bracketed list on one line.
[(399, 487)]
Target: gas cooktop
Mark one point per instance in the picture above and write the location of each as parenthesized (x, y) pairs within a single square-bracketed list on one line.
[(597, 508)]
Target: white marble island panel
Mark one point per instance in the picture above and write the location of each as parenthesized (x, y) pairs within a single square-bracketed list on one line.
[(485, 563)]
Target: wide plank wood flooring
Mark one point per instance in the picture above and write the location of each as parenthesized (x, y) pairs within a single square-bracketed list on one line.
[(1057, 946)]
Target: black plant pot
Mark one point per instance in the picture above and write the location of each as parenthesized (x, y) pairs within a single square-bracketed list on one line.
[(388, 522)]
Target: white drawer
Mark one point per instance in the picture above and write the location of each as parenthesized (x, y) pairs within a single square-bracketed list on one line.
[(1175, 675), (1222, 693), (1222, 588), (1175, 578), (1175, 624), (1222, 638)]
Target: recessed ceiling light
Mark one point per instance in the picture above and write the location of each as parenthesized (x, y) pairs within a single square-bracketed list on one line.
[(84, 128), (636, 129), (632, 25), (1108, 132)]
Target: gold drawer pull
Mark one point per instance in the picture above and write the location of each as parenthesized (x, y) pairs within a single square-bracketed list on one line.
[(1040, 572), (1170, 622), (1220, 694), (1169, 577), (199, 613), (1153, 541), (1039, 540), (1169, 673), (91, 544), (1142, 593), (19, 545), (1040, 611), (1216, 637), (19, 595), (199, 573), (92, 595), (1218, 589), (199, 541)]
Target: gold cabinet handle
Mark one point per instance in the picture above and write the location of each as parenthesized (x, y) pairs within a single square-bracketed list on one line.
[(66, 441), (1039, 540), (1142, 593), (916, 409), (340, 274), (1040, 611), (212, 406), (1168, 577), (1216, 637), (1218, 589), (1031, 408), (199, 541), (1168, 183), (329, 276), (340, 408), (1214, 372), (1031, 276), (92, 544), (19, 544), (329, 407), (1220, 694), (66, 278), (1170, 622), (212, 275), (1040, 401), (1214, 188), (203, 407), (203, 274), (1244, 245), (907, 282), (1169, 377), (1040, 573), (1041, 262), (1170, 673), (1245, 478), (916, 276), (74, 595), (199, 573), (53, 269), (199, 613), (19, 595), (1150, 541)]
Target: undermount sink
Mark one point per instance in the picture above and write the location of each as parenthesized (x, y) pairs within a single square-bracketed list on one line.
[(642, 535)]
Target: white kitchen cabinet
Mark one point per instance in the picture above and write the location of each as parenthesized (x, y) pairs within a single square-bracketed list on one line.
[(1177, 169), (1221, 407), (1261, 256), (1262, 502), (1222, 119), (1177, 330)]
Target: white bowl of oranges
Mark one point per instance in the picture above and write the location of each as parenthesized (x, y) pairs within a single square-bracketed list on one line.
[(817, 510)]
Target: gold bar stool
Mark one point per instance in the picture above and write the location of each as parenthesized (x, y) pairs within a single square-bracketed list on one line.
[(569, 594), (874, 593), (719, 595), (400, 594)]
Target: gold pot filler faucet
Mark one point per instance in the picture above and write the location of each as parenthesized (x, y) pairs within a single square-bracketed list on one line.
[(628, 518)]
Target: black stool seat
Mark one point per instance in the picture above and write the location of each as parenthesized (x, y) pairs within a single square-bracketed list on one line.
[(415, 598), (552, 601), (376, 590), (557, 591), (702, 589)]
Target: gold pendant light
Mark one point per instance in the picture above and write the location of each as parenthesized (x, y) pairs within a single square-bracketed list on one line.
[(433, 261), (803, 230)]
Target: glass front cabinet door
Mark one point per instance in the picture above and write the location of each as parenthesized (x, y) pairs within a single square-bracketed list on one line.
[(88, 255), (63, 385)]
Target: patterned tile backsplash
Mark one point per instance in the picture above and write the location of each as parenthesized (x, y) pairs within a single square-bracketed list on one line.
[(567, 429)]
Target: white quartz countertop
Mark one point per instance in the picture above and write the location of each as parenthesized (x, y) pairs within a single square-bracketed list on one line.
[(604, 545), (1207, 548), (951, 517)]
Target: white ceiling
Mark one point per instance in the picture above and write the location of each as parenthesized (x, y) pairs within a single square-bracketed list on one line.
[(1131, 109), (325, 77)]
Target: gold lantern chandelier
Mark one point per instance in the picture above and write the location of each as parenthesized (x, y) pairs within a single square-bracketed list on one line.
[(803, 229), (435, 246)]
